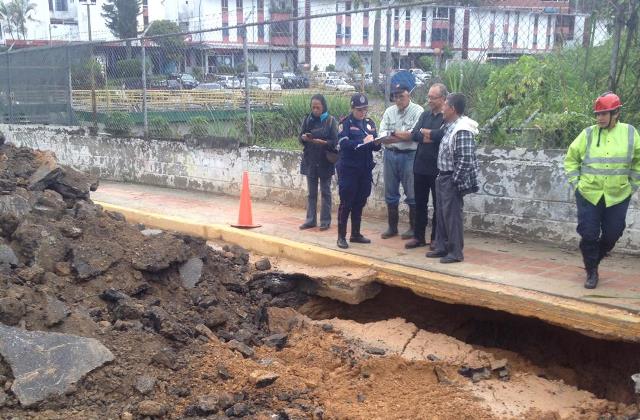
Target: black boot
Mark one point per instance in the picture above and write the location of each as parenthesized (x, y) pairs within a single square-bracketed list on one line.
[(356, 236), (592, 278), (392, 214), (412, 223), (342, 237)]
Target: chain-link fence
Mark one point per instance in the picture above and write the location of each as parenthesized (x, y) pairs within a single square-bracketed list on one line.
[(530, 71)]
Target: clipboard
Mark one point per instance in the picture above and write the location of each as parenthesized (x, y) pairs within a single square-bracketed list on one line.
[(385, 138)]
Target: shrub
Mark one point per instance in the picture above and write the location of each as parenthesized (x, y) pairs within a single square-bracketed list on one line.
[(160, 128), (131, 67), (330, 67), (118, 124), (199, 127), (81, 74)]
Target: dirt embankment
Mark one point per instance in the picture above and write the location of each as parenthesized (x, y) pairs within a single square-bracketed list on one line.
[(190, 331)]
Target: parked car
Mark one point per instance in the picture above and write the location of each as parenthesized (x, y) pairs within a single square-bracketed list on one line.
[(210, 86), (303, 81), (262, 83), (338, 84), (186, 80), (229, 82), (288, 80)]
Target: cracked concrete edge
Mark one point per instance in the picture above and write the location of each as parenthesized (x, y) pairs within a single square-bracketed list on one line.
[(588, 318)]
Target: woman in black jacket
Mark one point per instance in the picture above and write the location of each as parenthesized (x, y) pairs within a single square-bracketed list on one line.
[(319, 137)]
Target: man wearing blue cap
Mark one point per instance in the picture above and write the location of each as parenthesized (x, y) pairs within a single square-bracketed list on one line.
[(399, 153), (356, 144)]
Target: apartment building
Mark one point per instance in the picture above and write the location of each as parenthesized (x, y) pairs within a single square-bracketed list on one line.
[(500, 29)]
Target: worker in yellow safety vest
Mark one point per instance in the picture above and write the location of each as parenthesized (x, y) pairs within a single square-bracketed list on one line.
[(603, 166)]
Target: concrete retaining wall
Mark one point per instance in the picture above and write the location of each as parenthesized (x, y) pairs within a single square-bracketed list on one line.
[(523, 194)]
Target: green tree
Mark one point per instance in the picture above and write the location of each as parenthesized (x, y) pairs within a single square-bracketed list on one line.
[(355, 61), (426, 63), (15, 14), (171, 47), (121, 17)]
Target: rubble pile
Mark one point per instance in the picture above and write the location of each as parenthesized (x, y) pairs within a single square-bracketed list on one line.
[(95, 313)]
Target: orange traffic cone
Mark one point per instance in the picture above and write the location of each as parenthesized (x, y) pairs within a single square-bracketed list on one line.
[(245, 219)]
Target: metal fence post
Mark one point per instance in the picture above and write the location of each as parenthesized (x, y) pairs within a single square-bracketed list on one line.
[(247, 97), (69, 87), (94, 105), (387, 83), (144, 90), (9, 94)]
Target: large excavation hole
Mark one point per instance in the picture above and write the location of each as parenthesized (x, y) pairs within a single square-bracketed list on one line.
[(599, 366)]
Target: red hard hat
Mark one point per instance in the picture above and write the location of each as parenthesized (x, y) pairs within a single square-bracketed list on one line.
[(607, 102)]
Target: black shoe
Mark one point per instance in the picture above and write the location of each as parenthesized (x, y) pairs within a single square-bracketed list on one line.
[(307, 225), (592, 278), (324, 227), (342, 243), (436, 254), (359, 239), (414, 243), (449, 260)]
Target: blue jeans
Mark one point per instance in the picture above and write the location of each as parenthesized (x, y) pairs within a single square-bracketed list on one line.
[(599, 227), (312, 200), (398, 169)]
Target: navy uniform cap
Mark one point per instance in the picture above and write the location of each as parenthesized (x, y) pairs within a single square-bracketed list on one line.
[(359, 100)]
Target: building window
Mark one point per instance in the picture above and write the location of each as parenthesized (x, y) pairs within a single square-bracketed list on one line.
[(339, 30), (62, 6), (239, 4), (535, 31), (396, 35), (261, 31), (441, 13), (407, 15), (396, 14), (225, 30), (184, 26), (225, 5), (423, 37), (365, 34), (145, 20), (516, 29), (440, 34), (548, 31), (407, 36), (365, 5), (51, 5), (347, 32), (424, 14), (261, 5)]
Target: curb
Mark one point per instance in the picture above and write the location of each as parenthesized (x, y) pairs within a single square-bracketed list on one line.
[(587, 318)]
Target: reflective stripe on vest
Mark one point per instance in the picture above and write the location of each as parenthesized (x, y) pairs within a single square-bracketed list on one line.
[(589, 160)]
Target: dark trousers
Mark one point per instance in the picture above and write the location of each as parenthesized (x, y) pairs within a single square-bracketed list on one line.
[(312, 200), (354, 191), (423, 185), (449, 232), (599, 227)]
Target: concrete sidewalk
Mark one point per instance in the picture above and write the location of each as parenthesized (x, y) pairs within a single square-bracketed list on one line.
[(528, 266)]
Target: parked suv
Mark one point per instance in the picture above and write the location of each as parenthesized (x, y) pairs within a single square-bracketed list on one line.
[(187, 81)]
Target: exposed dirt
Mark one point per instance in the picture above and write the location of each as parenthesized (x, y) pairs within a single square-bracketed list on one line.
[(197, 332)]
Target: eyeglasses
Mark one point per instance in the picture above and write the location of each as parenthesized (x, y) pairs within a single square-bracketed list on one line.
[(433, 98)]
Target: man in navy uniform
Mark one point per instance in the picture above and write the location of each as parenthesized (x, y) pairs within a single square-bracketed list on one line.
[(356, 144)]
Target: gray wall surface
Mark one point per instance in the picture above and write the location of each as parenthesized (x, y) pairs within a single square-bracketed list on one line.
[(523, 194)]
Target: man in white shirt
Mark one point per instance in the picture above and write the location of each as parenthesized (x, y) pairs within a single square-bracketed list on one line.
[(399, 153)]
